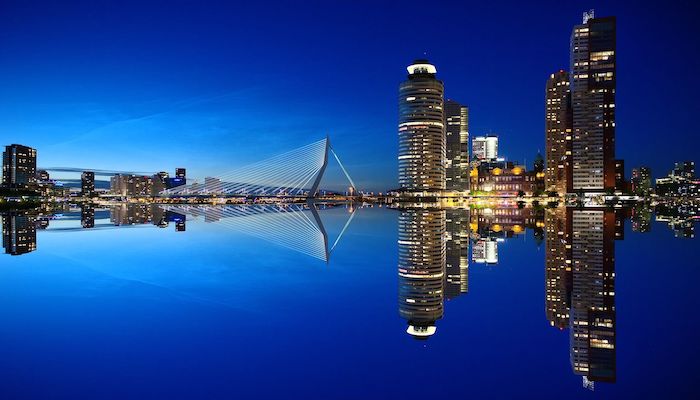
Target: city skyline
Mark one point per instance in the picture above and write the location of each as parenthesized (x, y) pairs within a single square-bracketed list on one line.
[(91, 100)]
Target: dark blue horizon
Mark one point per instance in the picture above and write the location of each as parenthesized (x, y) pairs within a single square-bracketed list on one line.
[(130, 85)]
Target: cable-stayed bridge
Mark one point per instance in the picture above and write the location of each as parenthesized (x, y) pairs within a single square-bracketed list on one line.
[(296, 173), (297, 227)]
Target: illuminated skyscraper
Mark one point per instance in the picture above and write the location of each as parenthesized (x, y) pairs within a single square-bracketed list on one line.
[(457, 142), (421, 269), (593, 102), (558, 127), (592, 317), (18, 165), (421, 130)]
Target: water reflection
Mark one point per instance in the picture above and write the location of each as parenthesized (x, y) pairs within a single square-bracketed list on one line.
[(294, 226), (433, 265)]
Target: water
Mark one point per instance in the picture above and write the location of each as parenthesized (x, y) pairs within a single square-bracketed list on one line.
[(248, 304)]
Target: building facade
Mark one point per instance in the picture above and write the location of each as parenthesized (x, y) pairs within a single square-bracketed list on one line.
[(485, 148), (421, 130), (593, 83), (558, 131), (87, 183), (457, 146), (18, 166)]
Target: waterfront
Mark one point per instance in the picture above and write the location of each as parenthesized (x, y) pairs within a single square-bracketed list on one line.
[(206, 310)]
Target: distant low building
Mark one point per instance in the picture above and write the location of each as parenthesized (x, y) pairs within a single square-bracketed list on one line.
[(502, 178), (681, 182)]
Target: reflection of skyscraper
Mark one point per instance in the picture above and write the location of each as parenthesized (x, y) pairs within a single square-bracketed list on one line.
[(456, 252), (557, 267), (457, 145), (421, 269), (87, 216), (18, 233), (421, 130), (593, 295)]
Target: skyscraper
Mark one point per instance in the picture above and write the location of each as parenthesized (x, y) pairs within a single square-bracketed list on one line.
[(421, 130), (593, 102), (558, 127), (18, 165), (457, 146), (485, 148), (87, 183), (421, 269), (641, 181)]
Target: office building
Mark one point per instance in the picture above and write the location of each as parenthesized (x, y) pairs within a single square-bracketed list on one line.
[(421, 269), (681, 182), (87, 184), (593, 84), (485, 251), (131, 185), (485, 148), (18, 166), (641, 181), (457, 146), (421, 130), (621, 183), (558, 131)]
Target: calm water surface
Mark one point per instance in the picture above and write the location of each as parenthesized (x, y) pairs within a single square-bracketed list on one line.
[(236, 302)]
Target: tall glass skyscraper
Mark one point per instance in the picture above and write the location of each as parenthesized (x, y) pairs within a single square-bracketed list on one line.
[(421, 130), (558, 127), (457, 145), (593, 85)]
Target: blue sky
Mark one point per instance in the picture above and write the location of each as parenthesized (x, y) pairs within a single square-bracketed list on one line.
[(215, 85)]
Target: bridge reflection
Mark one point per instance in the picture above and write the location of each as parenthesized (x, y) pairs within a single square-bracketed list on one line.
[(297, 227)]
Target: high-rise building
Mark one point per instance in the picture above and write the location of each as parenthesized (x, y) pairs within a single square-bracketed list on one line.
[(421, 130), (558, 128), (181, 173), (160, 183), (87, 183), (18, 233), (131, 185), (593, 83), (421, 269), (592, 320), (18, 166), (641, 181), (457, 146), (485, 148)]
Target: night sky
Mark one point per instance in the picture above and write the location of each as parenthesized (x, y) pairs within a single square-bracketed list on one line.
[(215, 85)]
